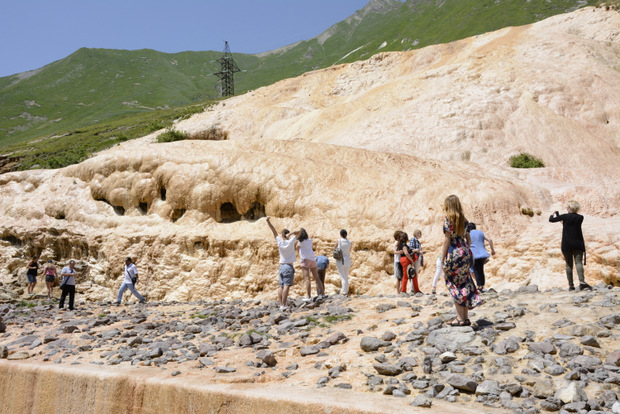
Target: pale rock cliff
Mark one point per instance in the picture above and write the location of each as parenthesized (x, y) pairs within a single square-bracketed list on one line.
[(372, 147)]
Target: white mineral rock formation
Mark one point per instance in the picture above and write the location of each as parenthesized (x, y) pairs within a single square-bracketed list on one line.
[(372, 147)]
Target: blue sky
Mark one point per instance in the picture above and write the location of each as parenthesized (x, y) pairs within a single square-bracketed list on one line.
[(34, 33)]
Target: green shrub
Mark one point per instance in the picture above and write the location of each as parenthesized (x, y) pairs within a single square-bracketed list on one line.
[(525, 160), (172, 135), (527, 211)]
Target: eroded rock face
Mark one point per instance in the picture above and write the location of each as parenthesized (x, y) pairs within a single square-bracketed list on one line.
[(372, 147)]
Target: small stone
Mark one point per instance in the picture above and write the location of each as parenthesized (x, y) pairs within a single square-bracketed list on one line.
[(388, 369), (309, 350), (571, 393), (488, 387), (371, 344), (388, 336), (542, 347), (422, 401), (461, 382), (225, 370), (613, 359), (589, 340), (447, 357), (344, 386), (18, 356), (267, 357), (175, 373), (206, 362)]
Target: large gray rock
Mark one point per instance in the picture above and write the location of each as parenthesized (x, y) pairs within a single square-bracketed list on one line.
[(488, 387), (309, 350), (508, 345), (570, 393), (267, 357), (451, 339), (371, 344), (543, 348), (613, 358), (461, 382), (422, 401), (388, 369)]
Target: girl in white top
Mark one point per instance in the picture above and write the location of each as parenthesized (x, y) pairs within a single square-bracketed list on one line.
[(308, 265), (344, 265)]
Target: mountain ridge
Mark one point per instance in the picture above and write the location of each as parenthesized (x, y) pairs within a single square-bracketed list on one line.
[(93, 85)]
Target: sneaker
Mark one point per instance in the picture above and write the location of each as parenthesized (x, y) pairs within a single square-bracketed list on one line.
[(283, 308), (117, 304), (324, 296), (433, 292), (571, 288), (483, 290), (307, 299), (143, 302), (584, 286)]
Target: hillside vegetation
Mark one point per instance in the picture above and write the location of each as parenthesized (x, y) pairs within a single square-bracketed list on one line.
[(98, 90)]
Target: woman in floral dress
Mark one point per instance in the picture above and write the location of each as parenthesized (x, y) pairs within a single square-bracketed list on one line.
[(457, 259)]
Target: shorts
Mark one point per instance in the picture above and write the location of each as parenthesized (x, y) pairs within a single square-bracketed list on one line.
[(308, 264), (50, 278), (286, 274), (32, 278), (322, 262)]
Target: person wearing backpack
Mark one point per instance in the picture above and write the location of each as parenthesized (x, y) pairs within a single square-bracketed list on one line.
[(129, 281)]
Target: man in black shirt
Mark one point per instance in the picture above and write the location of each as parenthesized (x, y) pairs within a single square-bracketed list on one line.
[(573, 245)]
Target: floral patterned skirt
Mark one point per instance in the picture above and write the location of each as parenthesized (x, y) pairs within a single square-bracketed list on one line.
[(458, 279)]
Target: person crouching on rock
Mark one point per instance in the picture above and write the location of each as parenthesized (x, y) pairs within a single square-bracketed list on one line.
[(68, 285), (573, 245), (50, 277), (457, 259), (129, 281), (286, 273)]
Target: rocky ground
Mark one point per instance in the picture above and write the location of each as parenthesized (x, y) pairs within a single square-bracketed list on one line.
[(527, 351)]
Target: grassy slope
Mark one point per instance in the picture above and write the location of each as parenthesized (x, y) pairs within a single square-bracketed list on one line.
[(103, 90)]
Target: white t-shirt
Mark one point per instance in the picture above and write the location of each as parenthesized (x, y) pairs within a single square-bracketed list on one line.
[(345, 246), (305, 250), (287, 249), (130, 271), (66, 271), (396, 255)]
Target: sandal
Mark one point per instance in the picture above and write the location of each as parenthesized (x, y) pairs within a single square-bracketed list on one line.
[(467, 322), (457, 322)]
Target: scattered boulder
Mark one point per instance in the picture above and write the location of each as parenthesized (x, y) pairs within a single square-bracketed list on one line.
[(461, 382), (267, 357), (372, 344), (388, 369)]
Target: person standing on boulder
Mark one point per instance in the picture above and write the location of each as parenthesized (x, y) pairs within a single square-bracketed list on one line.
[(573, 245), (129, 281), (68, 285), (286, 273), (31, 273), (457, 259)]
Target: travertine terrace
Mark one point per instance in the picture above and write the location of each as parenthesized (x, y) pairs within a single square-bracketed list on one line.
[(371, 146)]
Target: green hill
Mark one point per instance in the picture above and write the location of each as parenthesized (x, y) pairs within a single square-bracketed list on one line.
[(93, 86)]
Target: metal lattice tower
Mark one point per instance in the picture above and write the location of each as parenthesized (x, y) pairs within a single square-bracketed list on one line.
[(228, 68)]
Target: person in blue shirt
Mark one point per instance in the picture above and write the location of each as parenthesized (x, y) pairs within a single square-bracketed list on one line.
[(481, 255)]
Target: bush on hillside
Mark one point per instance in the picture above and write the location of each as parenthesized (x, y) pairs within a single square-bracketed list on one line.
[(525, 160), (172, 135)]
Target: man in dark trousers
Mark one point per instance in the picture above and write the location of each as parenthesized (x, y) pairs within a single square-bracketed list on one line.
[(573, 245)]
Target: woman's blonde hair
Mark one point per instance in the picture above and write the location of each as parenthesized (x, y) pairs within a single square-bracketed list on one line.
[(454, 213), (574, 206)]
